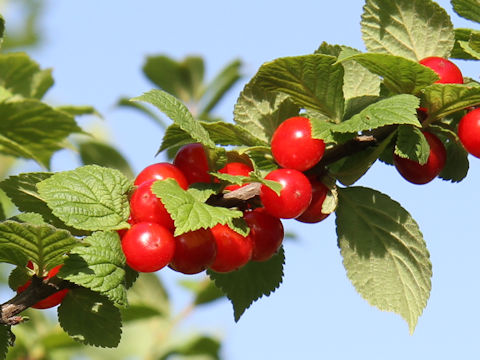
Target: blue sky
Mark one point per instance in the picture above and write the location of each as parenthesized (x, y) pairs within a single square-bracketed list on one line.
[(97, 49)]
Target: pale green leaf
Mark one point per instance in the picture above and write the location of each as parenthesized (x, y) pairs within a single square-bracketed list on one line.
[(414, 29), (260, 112), (90, 318), (383, 252), (462, 39), (359, 82), (412, 144), (469, 9), (88, 198), (43, 244), (444, 99), (400, 75), (187, 212), (179, 113), (251, 282), (312, 81), (98, 266)]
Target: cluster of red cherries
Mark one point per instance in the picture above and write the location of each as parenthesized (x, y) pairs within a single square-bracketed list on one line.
[(468, 130)]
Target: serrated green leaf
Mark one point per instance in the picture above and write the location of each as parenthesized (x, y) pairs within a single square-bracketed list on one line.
[(398, 109), (31, 218), (444, 99), (356, 104), (472, 47), (414, 29), (99, 153), (260, 112), (18, 277), (21, 75), (260, 157), (43, 244), (179, 113), (217, 88), (312, 81), (12, 148), (249, 283), (383, 252), (187, 212), (412, 144), (329, 49), (202, 191), (352, 168), (469, 9), (36, 127), (462, 37), (98, 266), (5, 336), (88, 198), (400, 75), (90, 318)]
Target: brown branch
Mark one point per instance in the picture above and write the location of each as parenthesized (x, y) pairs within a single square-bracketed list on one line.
[(38, 290)]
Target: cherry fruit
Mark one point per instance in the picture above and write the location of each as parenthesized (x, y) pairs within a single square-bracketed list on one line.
[(421, 174), (446, 70), (235, 168), (192, 160), (161, 171), (295, 195), (148, 247), (314, 213), (293, 146), (469, 132), (266, 232)]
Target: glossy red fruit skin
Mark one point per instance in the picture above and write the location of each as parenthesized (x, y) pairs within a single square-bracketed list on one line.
[(446, 70), (293, 146), (145, 206), (233, 249), (194, 251), (235, 168), (266, 232), (421, 174), (161, 171), (295, 195), (52, 300), (314, 214), (192, 160), (469, 132), (148, 247)]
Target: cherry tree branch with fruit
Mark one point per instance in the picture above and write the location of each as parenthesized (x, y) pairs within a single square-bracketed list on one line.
[(305, 129)]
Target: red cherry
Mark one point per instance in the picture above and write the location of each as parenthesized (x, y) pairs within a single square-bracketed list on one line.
[(293, 146), (145, 206), (194, 251), (446, 70), (161, 171), (233, 249), (235, 168), (122, 232), (192, 160), (469, 132), (314, 214), (52, 300), (294, 197), (421, 174), (148, 247), (266, 232)]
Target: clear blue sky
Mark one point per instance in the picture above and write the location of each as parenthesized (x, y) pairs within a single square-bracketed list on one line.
[(97, 48)]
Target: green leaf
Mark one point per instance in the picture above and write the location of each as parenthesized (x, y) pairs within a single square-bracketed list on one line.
[(90, 318), (444, 99), (329, 49), (204, 291), (469, 9), (139, 312), (414, 29), (200, 346), (400, 75), (77, 110), (398, 109), (217, 88), (352, 168), (21, 75), (312, 81), (179, 113), (465, 40), (412, 144), (383, 252), (43, 244), (36, 127), (251, 282), (260, 112), (5, 332), (126, 102), (98, 266), (187, 212), (2, 28), (18, 277), (148, 291), (260, 156), (99, 153), (472, 47), (88, 198), (241, 180)]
